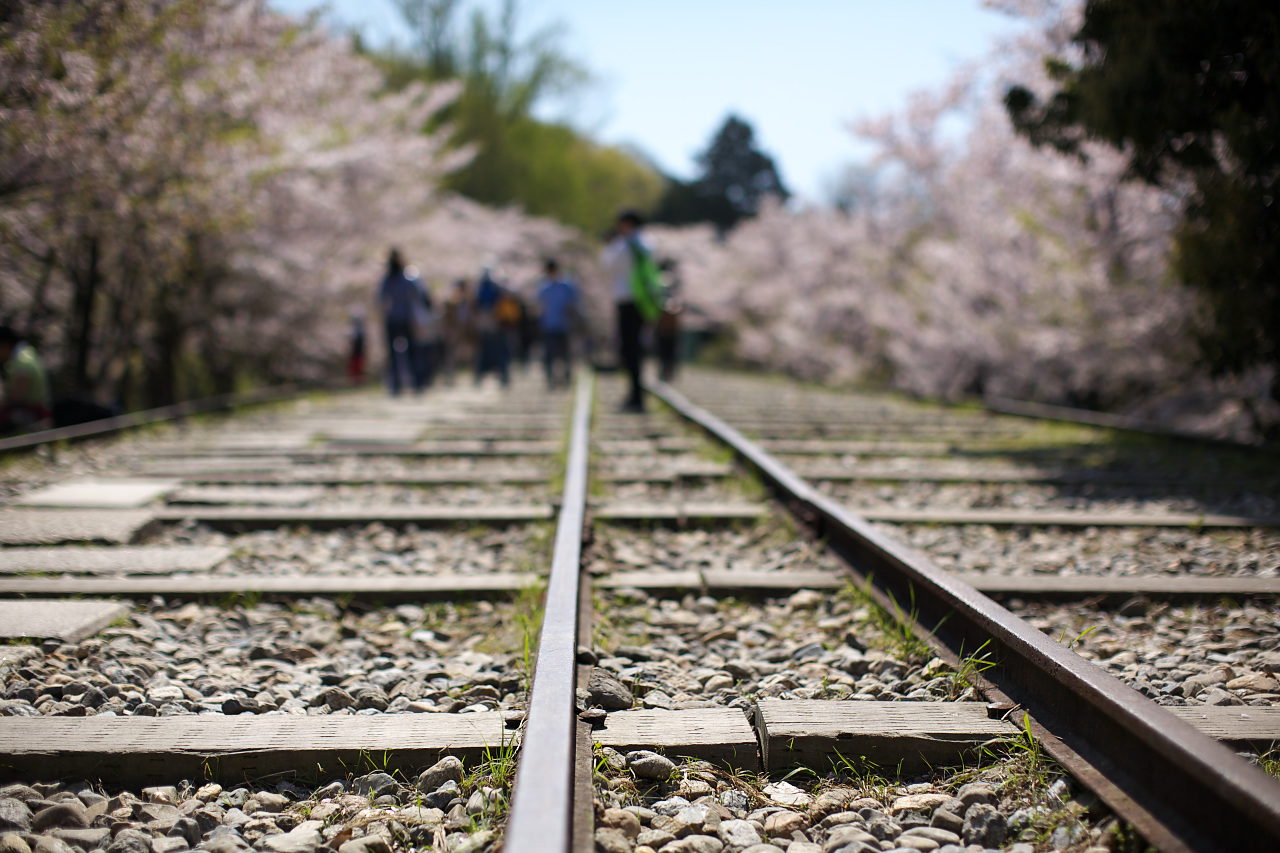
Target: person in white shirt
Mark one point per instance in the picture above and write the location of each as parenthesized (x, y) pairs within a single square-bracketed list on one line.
[(618, 259)]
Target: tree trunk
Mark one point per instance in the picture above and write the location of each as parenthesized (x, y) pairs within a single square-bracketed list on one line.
[(86, 294)]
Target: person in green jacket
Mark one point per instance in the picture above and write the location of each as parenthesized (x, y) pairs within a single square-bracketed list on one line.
[(27, 405), (629, 261)]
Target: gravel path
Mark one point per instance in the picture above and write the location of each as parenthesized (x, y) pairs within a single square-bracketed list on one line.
[(310, 658), (1176, 655), (375, 550), (1095, 550)]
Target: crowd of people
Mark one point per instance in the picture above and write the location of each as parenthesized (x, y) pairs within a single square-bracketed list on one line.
[(482, 326), (490, 325)]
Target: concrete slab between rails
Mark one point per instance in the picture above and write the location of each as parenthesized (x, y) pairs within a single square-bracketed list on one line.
[(118, 560), (258, 518), (1046, 518), (113, 493), (919, 735), (720, 580), (677, 513), (719, 735), (69, 621), (387, 587), (130, 751), (1074, 586), (266, 496), (195, 465), (58, 526)]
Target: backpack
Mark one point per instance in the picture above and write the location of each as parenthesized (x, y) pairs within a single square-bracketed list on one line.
[(646, 282)]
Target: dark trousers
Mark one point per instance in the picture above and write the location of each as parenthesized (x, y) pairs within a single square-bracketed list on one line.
[(630, 349), (400, 353), (555, 348)]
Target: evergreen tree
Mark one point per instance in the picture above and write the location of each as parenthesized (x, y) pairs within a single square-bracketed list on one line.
[(735, 177), (1191, 93)]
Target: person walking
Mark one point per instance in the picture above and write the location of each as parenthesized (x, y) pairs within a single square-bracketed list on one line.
[(629, 262), (27, 404), (666, 333), (400, 298), (494, 354), (458, 332), (558, 309)]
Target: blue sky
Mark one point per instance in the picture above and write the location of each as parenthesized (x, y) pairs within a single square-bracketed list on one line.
[(669, 71)]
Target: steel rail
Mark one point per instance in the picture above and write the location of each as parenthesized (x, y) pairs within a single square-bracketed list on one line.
[(1182, 790), (119, 423), (542, 803)]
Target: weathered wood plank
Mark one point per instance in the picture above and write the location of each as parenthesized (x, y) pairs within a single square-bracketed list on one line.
[(300, 586), (253, 517), (1054, 478), (69, 621), (911, 735), (680, 512), (1233, 723), (720, 735), (650, 580), (140, 750), (1081, 585), (120, 559), (422, 478), (1060, 518), (293, 495), (917, 735), (55, 527), (721, 579)]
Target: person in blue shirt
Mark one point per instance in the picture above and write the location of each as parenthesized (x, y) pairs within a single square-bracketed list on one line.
[(401, 298), (494, 353), (558, 304)]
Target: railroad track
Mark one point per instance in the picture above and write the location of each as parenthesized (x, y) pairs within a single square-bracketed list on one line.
[(701, 622)]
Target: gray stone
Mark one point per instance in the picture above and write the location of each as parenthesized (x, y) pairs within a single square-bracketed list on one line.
[(12, 842), (377, 783), (842, 836), (769, 848), (229, 843), (187, 829), (884, 827), (976, 792), (695, 844), (739, 833), (480, 841), (163, 794), (168, 844), (85, 839), (21, 654), (984, 825), (734, 800), (802, 847), (130, 841), (649, 765), (608, 692), (50, 844), (609, 840), (622, 820), (304, 839), (14, 814), (933, 833), (366, 844), (948, 820), (655, 838), (68, 815)]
